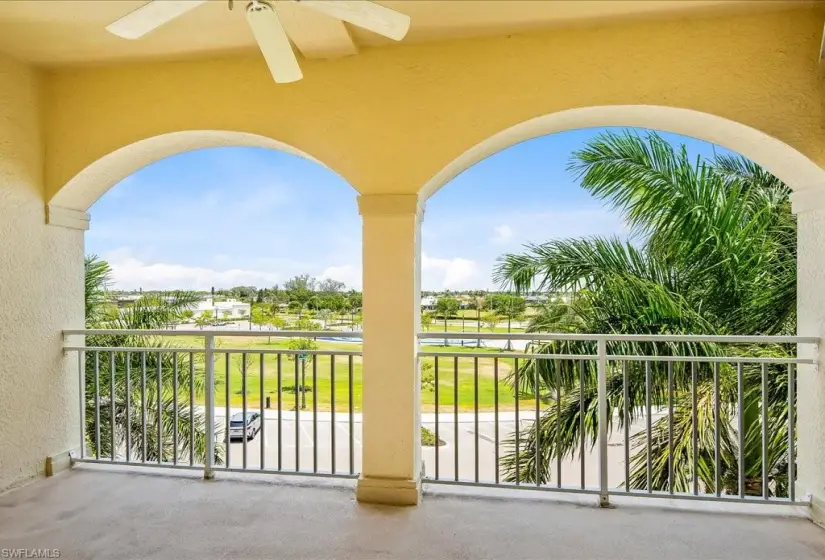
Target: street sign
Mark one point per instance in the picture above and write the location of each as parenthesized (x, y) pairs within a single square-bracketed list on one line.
[(303, 357)]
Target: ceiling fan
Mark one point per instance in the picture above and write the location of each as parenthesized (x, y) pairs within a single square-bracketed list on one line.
[(266, 26)]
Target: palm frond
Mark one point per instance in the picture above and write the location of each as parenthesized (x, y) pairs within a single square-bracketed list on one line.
[(153, 381), (713, 251), (97, 277)]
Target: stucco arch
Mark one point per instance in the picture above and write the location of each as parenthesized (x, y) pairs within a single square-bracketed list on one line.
[(779, 158), (82, 190)]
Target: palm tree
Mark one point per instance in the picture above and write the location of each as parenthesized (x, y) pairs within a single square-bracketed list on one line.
[(187, 316), (204, 319), (712, 251), (114, 379), (490, 320), (426, 320), (324, 315)]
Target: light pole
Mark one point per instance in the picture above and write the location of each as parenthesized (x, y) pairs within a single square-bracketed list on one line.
[(461, 311), (214, 308), (479, 304), (444, 315), (509, 346)]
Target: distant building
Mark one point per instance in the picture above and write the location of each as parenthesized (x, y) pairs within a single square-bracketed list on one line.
[(126, 300), (466, 302), (229, 309), (428, 303)]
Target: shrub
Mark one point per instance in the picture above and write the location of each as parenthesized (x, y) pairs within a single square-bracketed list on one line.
[(428, 438), (293, 388), (427, 377)]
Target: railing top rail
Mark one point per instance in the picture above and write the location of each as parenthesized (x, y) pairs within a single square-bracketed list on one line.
[(219, 350), (211, 332), (732, 339), (507, 355), (620, 358), (711, 359)]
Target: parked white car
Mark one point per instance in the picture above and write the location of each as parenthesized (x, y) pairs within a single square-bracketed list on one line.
[(236, 425)]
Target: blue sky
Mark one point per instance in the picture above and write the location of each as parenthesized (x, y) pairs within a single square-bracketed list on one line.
[(238, 216)]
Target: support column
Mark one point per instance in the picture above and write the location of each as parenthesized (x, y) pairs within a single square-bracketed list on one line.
[(391, 441), (809, 206)]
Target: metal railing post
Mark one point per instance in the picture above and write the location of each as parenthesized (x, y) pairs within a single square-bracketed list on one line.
[(209, 360), (604, 497), (81, 391)]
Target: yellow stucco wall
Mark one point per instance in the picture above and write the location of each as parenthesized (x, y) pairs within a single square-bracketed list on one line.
[(389, 119), (41, 293)]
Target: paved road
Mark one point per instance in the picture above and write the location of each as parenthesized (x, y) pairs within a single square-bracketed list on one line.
[(316, 452), (301, 448)]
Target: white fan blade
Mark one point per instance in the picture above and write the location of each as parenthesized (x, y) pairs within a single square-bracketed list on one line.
[(362, 13), (274, 43), (151, 16)]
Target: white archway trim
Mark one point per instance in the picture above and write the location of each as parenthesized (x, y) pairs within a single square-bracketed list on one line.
[(808, 199), (67, 217), (774, 155), (86, 187)]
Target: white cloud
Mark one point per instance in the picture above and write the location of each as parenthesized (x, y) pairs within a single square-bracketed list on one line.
[(539, 227), (482, 238), (129, 272), (467, 252), (349, 274), (442, 274), (259, 203), (436, 273), (502, 234)]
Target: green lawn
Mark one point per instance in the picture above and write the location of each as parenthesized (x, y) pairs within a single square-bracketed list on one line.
[(322, 387)]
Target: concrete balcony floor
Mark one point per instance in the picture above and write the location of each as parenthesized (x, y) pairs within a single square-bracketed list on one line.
[(94, 512)]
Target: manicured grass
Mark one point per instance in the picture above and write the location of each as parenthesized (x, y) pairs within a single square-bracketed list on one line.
[(322, 385)]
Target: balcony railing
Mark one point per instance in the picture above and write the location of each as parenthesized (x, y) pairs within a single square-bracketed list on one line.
[(679, 417), (153, 397)]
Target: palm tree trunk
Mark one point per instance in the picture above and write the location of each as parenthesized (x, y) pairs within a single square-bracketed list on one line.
[(753, 485)]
